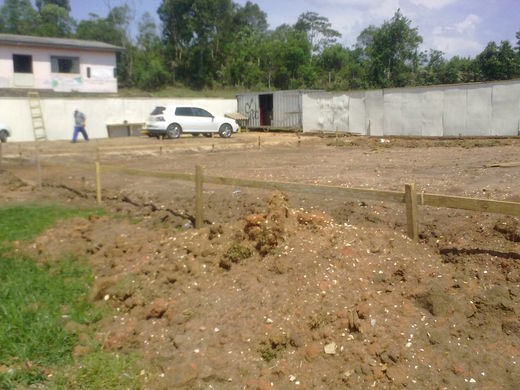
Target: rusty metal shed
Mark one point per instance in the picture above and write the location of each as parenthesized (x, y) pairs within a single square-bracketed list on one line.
[(279, 110)]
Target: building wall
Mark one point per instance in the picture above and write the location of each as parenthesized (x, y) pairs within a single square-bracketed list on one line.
[(58, 118), (102, 66), (479, 109)]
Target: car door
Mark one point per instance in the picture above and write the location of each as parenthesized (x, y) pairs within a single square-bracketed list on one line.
[(184, 116), (205, 121)]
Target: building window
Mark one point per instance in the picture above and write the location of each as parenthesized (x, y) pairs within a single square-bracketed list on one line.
[(22, 63), (64, 64), (88, 72)]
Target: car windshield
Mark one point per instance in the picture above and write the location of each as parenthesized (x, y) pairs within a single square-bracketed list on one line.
[(158, 110)]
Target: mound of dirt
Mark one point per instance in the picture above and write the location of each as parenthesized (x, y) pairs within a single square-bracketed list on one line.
[(286, 297)]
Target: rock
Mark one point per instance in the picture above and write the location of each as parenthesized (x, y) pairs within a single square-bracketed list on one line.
[(330, 349), (312, 351), (179, 340), (353, 321), (436, 300), (157, 308), (511, 326), (296, 340)]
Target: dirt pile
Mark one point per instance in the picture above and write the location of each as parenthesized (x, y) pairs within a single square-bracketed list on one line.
[(286, 297)]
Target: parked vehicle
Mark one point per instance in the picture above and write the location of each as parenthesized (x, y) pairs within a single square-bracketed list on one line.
[(171, 122), (4, 132)]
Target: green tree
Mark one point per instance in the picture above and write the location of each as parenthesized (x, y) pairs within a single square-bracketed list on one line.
[(249, 16), (197, 34), (340, 68), (18, 17), (150, 71), (318, 30), (54, 21), (497, 62), (65, 4), (393, 53)]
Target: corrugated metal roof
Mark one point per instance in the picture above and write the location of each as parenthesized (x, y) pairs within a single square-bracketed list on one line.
[(27, 40)]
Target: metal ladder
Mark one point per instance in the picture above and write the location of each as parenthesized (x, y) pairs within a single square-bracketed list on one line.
[(37, 117)]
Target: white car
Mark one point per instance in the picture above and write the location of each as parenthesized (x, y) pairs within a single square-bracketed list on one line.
[(4, 132), (171, 122)]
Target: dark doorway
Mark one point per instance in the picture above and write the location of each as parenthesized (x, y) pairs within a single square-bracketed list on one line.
[(266, 110)]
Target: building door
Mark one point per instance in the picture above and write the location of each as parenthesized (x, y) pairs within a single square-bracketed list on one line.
[(266, 110)]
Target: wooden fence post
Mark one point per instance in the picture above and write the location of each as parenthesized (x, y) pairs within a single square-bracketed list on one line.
[(337, 139), (411, 211), (259, 142), (198, 197), (38, 165), (98, 183)]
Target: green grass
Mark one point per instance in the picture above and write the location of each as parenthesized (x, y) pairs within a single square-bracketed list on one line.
[(101, 370), (36, 301), (26, 221)]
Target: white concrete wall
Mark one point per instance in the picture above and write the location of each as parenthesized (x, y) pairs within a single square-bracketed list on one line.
[(479, 109), (101, 64), (58, 113)]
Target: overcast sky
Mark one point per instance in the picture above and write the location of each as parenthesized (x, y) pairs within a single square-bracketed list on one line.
[(457, 27)]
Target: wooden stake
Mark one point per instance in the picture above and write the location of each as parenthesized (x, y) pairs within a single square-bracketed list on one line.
[(38, 165), (98, 183), (337, 140), (411, 211), (259, 142), (199, 206)]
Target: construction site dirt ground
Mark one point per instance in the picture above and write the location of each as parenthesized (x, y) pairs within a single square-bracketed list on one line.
[(290, 290)]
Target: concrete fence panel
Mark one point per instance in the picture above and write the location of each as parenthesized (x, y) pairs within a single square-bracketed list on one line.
[(506, 106), (374, 108), (477, 109), (357, 119), (392, 114), (58, 113), (479, 112), (432, 107)]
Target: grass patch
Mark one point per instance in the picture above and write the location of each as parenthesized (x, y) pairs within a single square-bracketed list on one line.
[(101, 370), (37, 301), (26, 221)]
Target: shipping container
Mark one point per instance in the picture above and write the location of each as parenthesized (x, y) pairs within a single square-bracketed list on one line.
[(277, 110)]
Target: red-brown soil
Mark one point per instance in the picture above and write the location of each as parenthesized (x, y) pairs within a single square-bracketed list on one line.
[(290, 290)]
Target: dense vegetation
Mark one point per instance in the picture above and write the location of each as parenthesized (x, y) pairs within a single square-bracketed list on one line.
[(219, 43)]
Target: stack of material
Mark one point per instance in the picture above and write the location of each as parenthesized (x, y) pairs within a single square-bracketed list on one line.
[(240, 118)]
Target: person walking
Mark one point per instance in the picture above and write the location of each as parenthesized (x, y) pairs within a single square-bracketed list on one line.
[(79, 125)]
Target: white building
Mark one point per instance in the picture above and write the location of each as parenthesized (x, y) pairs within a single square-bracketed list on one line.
[(62, 65)]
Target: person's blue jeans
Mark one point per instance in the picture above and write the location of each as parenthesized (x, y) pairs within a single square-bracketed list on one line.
[(77, 130)]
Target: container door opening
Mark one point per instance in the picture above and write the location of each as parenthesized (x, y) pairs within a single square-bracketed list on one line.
[(266, 110)]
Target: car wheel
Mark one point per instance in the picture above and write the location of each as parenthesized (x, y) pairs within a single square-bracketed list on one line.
[(3, 136), (225, 130), (173, 131)]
